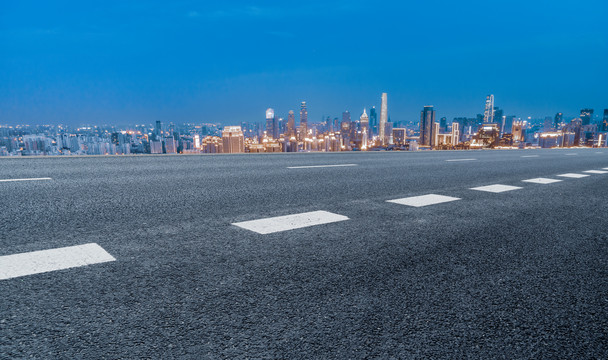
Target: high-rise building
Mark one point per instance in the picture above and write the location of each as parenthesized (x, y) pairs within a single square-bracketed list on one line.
[(427, 119), (157, 130), (303, 119), (488, 114), (443, 124), (270, 121), (373, 121), (364, 122), (233, 140), (345, 125), (604, 124), (383, 120), (508, 126), (586, 116), (291, 124), (557, 120)]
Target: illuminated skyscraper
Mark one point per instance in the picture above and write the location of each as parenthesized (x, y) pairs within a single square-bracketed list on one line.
[(383, 120), (233, 140), (604, 124), (488, 114), (557, 120), (303, 119), (586, 116), (270, 120), (373, 121), (291, 124), (364, 121), (345, 125), (427, 119)]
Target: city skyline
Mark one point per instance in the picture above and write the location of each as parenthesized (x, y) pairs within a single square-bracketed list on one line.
[(72, 63)]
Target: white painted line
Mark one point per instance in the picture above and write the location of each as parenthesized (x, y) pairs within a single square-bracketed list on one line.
[(423, 200), (290, 222), (572, 154), (605, 168), (496, 188), (573, 175), (462, 160), (37, 262), (31, 179), (542, 181), (319, 166), (530, 156), (595, 172)]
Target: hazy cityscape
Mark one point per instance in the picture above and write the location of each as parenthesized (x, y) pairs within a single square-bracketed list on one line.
[(372, 130)]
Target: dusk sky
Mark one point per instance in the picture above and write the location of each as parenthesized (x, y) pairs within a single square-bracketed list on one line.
[(129, 62)]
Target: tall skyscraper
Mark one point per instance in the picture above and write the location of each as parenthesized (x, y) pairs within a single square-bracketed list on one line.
[(488, 114), (443, 124), (233, 140), (604, 124), (427, 119), (345, 125), (586, 116), (383, 120), (270, 120), (508, 126), (364, 122), (557, 120), (303, 119), (373, 121), (291, 124), (157, 130)]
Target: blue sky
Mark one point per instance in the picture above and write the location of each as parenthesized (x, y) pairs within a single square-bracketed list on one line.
[(124, 62)]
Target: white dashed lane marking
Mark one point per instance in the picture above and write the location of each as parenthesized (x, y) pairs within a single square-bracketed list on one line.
[(290, 222), (596, 172), (530, 156), (453, 160), (423, 200), (572, 154), (319, 166), (30, 179), (37, 262), (542, 181), (573, 175), (496, 188)]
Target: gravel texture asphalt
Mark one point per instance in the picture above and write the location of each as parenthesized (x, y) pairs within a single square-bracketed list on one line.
[(515, 275)]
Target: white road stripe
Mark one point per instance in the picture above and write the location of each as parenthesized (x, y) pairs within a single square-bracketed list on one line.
[(423, 200), (319, 166), (595, 172), (530, 156), (496, 188), (542, 181), (573, 175), (290, 222), (461, 160), (605, 168), (30, 179), (571, 154), (37, 262)]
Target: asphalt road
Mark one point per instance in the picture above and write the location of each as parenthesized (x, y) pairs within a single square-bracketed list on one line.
[(519, 274)]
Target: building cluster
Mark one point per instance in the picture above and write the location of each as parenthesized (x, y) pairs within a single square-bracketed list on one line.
[(371, 131)]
